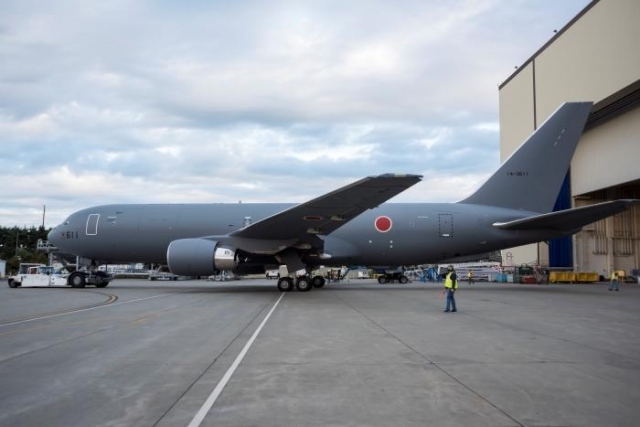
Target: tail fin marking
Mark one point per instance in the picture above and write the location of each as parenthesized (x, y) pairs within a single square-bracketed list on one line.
[(530, 179)]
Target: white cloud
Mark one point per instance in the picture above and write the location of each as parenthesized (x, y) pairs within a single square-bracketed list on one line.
[(106, 102), (487, 127)]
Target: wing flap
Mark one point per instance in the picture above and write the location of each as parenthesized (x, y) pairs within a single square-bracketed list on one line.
[(325, 214), (571, 219)]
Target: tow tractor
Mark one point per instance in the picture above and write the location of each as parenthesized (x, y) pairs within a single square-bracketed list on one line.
[(38, 275), (24, 269)]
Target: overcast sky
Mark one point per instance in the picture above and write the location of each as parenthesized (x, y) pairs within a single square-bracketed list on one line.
[(122, 101)]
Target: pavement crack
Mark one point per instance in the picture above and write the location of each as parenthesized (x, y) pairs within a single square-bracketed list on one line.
[(54, 345)]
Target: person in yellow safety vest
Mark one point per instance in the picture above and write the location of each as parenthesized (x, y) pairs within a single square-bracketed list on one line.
[(614, 281), (450, 286), (470, 277)]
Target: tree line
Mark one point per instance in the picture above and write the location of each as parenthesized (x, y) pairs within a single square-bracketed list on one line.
[(19, 245)]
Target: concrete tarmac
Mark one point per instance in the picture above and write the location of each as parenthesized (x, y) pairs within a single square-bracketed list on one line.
[(356, 353)]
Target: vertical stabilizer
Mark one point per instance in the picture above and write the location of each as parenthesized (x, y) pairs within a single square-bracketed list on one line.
[(530, 179)]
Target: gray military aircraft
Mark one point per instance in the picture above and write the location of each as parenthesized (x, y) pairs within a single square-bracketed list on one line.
[(349, 226)]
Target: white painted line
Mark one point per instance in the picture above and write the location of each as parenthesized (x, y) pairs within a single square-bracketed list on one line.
[(206, 407), (86, 309)]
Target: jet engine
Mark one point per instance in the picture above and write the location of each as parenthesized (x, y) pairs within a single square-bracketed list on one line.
[(200, 257)]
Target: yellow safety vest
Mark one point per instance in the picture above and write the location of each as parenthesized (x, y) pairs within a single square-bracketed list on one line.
[(614, 276), (448, 283)]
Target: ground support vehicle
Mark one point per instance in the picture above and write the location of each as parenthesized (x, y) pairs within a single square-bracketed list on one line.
[(45, 276), (23, 270), (79, 279), (222, 276), (272, 274), (162, 273)]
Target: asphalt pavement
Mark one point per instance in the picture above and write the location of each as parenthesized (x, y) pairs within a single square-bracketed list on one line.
[(356, 353)]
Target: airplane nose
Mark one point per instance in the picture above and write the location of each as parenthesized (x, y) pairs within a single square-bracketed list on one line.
[(52, 237)]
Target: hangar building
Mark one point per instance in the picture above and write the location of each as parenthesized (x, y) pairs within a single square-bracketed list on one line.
[(595, 57)]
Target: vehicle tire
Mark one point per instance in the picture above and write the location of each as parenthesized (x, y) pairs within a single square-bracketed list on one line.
[(404, 279), (101, 279), (383, 279), (77, 280), (318, 281), (11, 283), (303, 284), (285, 284)]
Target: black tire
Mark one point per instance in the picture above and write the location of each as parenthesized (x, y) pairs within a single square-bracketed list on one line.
[(285, 284), (11, 283), (101, 279), (383, 279), (77, 280), (303, 284), (318, 281), (404, 280)]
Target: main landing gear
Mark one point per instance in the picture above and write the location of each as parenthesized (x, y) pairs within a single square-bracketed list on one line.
[(302, 283), (390, 278)]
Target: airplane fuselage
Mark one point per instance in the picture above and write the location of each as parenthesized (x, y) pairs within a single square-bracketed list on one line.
[(352, 225), (391, 234)]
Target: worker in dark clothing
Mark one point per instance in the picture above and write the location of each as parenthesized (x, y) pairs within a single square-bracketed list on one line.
[(450, 286)]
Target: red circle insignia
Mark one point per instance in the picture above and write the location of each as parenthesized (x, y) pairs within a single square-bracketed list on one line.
[(383, 224)]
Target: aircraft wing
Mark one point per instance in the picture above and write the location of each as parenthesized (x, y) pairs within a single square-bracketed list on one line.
[(571, 219), (327, 213)]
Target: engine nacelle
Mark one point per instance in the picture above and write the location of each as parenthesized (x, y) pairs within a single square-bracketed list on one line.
[(200, 257)]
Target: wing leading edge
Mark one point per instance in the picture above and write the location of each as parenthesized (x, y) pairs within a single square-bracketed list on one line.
[(327, 213), (569, 220)]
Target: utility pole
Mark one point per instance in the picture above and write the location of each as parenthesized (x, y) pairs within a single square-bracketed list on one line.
[(44, 211)]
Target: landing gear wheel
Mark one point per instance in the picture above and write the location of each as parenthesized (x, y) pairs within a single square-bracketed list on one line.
[(383, 279), (101, 279), (303, 284), (285, 284), (318, 281), (76, 280), (404, 279)]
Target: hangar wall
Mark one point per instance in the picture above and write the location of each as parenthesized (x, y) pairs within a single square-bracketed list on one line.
[(595, 57), (608, 155)]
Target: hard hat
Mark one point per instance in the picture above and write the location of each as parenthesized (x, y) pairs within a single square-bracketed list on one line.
[(450, 267)]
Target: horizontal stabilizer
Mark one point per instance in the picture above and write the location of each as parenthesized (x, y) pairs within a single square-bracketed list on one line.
[(569, 220)]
